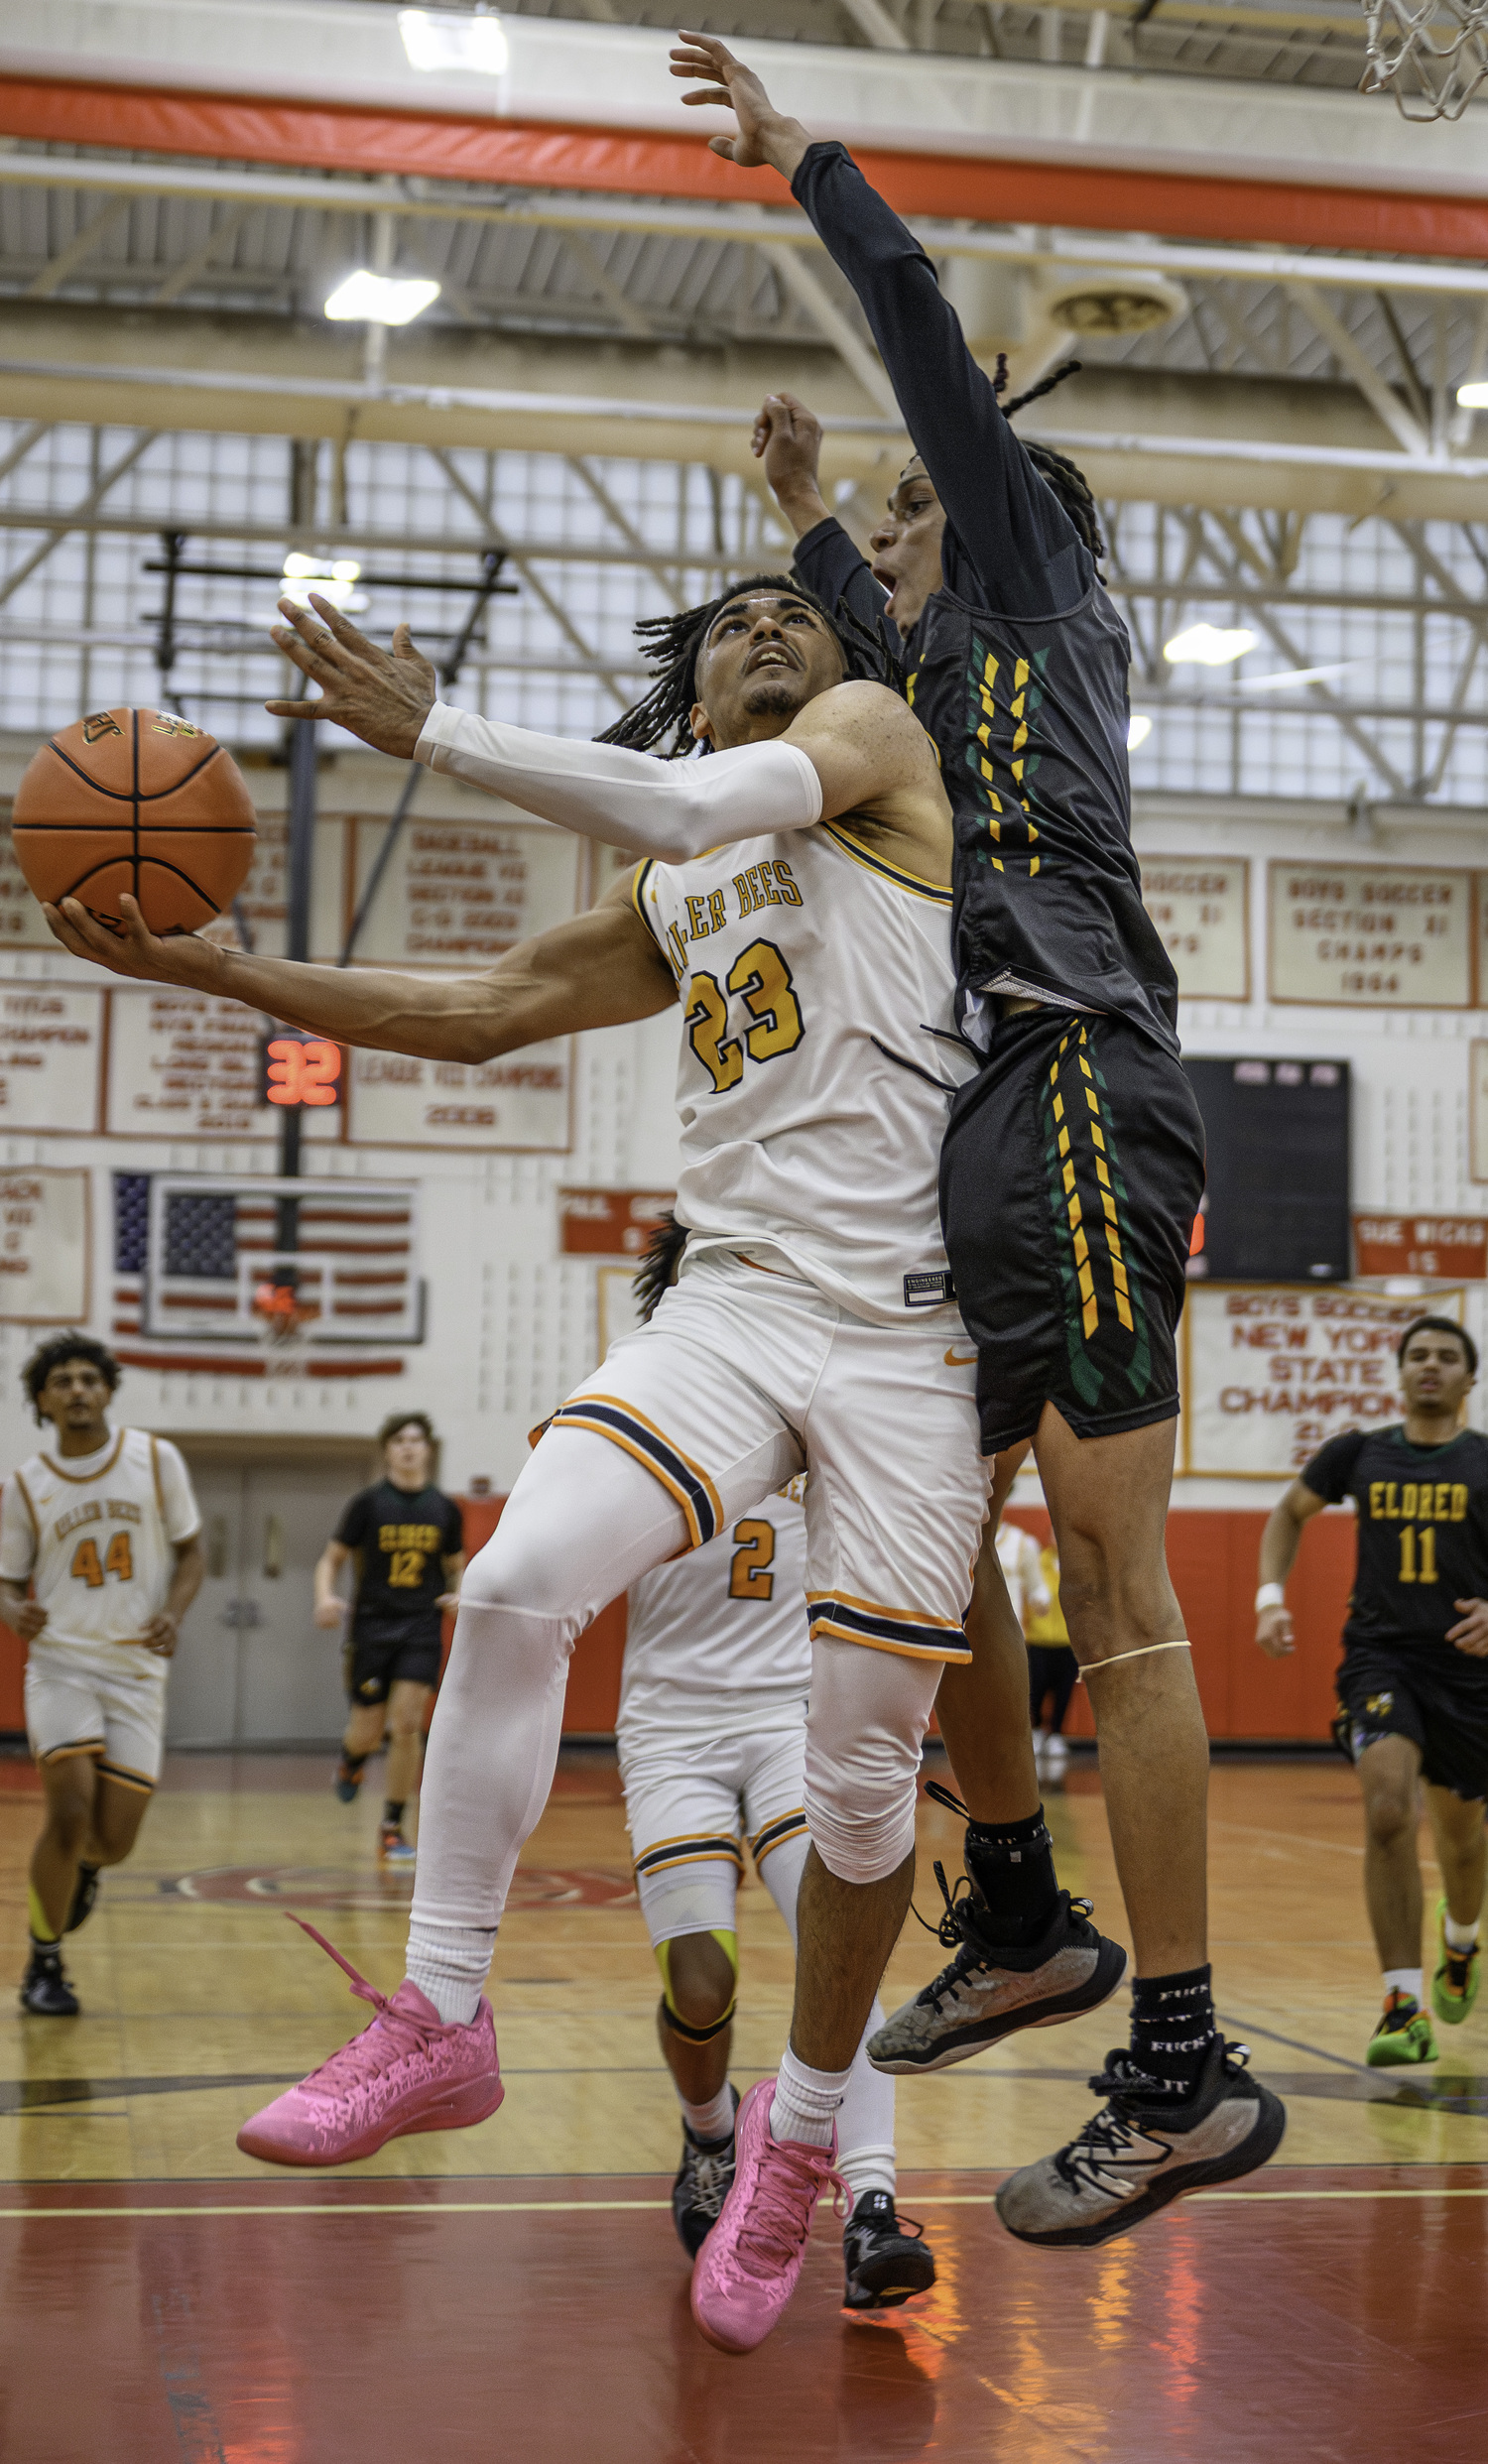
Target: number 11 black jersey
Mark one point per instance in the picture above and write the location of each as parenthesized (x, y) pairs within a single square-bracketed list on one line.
[(1422, 1516)]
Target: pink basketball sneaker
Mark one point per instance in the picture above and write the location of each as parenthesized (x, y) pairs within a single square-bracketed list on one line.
[(409, 2071), (746, 2269)]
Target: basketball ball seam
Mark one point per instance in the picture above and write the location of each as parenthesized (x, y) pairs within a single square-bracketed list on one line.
[(124, 796)]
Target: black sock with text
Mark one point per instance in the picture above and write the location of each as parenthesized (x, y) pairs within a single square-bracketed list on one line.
[(1172, 2028)]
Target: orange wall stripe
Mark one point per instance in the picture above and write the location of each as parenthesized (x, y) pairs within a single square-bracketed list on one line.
[(231, 129)]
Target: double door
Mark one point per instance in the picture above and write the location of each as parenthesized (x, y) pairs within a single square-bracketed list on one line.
[(252, 1668)]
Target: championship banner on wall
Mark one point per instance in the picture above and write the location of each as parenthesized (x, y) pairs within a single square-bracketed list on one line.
[(1270, 1371), (1201, 905), (44, 1247)]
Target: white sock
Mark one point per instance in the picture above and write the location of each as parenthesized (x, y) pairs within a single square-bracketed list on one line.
[(1404, 1981), (714, 2120), (868, 2168), (806, 2101), (448, 1964), (1459, 1937)]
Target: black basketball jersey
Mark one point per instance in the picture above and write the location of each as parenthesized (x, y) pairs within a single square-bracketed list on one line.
[(1423, 1520), (1018, 665), (402, 1538)]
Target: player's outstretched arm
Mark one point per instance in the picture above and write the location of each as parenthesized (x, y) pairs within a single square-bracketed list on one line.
[(599, 969), (1280, 1542), (671, 809)]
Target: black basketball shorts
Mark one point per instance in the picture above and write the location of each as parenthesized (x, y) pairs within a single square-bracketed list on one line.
[(390, 1656), (1070, 1175), (1408, 1693)]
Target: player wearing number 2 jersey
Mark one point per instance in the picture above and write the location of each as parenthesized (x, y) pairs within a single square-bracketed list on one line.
[(1413, 1689), (101, 1528)]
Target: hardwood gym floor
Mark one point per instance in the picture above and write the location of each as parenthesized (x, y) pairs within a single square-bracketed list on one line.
[(516, 2290)]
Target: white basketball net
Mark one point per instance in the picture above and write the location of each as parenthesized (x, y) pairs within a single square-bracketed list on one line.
[(283, 1325), (1431, 57)]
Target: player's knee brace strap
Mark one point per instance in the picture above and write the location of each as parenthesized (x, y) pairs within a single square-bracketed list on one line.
[(697, 2036)]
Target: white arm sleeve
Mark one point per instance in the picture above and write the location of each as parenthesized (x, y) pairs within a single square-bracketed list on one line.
[(671, 809), (17, 1536)]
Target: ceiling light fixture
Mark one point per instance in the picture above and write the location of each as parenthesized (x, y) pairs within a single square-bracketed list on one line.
[(1209, 646), (437, 39), (1139, 730), (369, 298), (1474, 396)]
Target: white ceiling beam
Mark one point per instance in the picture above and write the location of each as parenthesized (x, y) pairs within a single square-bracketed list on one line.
[(809, 291), (81, 512), (195, 266), (303, 191), (66, 261), (875, 25), (1355, 361), (495, 537)]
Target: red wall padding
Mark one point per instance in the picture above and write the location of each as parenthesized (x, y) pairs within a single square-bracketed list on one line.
[(1212, 1557)]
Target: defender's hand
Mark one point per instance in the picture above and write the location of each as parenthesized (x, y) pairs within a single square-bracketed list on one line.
[(329, 1613), (155, 958), (383, 698), (160, 1636), (1274, 1633), (788, 436), (1471, 1636), (765, 134)]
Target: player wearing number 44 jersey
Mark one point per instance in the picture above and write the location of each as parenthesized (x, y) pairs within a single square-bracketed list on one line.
[(812, 1327), (1412, 1691), (100, 1561)]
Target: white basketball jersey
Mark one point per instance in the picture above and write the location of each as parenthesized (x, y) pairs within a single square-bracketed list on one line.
[(718, 1640), (815, 984), (99, 1534)]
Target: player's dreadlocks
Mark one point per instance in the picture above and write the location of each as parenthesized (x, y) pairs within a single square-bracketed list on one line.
[(657, 1266), (674, 645), (1066, 479)]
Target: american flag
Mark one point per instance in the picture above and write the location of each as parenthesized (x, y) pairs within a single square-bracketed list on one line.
[(215, 1242)]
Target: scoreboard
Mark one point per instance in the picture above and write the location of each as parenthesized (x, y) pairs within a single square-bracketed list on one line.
[(1277, 1200)]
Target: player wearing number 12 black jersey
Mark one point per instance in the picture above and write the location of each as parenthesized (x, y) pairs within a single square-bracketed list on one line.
[(406, 1537), (1413, 1689)]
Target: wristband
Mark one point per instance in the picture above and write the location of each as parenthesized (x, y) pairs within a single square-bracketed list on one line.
[(1270, 1595)]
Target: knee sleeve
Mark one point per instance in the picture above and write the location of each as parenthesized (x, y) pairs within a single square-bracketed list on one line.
[(728, 1943), (865, 1725)]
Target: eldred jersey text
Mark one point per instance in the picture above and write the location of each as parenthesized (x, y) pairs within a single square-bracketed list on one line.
[(1422, 1531), (816, 985)]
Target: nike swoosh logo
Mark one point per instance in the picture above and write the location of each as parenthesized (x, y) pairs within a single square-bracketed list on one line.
[(959, 1360)]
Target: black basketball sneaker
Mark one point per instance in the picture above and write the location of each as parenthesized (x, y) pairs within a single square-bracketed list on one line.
[(45, 1991), (885, 2256), (85, 1893), (705, 2179)]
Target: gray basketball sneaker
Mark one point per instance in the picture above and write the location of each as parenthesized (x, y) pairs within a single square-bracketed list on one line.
[(1142, 2149), (990, 1989)]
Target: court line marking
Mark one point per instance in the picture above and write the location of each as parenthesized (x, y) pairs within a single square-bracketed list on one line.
[(578, 2207)]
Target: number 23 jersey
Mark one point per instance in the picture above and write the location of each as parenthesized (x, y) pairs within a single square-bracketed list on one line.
[(99, 1534), (816, 989), (1422, 1516)]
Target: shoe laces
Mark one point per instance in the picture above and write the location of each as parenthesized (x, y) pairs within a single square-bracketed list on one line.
[(1111, 2137), (790, 2176), (1458, 1965), (363, 2059), (712, 2175), (959, 1928)]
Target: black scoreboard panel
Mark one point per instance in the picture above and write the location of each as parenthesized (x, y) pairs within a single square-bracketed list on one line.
[(1277, 1198)]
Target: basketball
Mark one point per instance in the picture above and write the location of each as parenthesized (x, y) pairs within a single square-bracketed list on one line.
[(138, 800)]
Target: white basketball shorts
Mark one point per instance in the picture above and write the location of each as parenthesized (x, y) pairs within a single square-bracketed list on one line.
[(745, 1377), (691, 1802), (106, 1699)]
